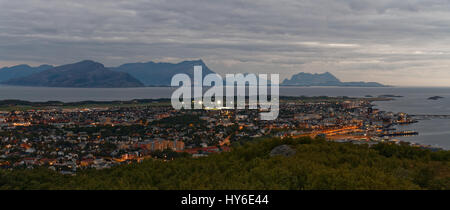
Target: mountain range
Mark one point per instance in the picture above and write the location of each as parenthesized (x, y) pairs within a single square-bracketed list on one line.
[(160, 74), (82, 74), (23, 70), (324, 79), (93, 74)]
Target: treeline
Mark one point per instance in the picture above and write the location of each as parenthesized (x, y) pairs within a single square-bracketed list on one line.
[(81, 103), (317, 164)]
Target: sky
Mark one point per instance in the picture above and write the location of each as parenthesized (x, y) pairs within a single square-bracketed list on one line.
[(395, 42)]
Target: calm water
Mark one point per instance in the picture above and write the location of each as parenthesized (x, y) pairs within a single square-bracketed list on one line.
[(433, 132)]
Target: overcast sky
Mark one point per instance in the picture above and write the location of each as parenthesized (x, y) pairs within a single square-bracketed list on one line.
[(395, 42)]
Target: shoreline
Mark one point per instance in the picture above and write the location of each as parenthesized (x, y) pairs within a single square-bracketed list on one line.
[(422, 145), (20, 105)]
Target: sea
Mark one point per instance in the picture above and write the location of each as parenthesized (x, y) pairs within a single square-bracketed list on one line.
[(414, 100)]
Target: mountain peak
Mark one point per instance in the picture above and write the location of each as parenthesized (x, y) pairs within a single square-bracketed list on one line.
[(193, 62), (87, 63)]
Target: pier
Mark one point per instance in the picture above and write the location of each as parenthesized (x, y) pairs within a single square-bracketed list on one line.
[(400, 133), (431, 116)]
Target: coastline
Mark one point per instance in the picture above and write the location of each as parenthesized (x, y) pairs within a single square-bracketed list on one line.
[(19, 105), (414, 101)]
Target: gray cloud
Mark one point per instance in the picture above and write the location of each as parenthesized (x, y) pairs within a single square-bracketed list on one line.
[(356, 39)]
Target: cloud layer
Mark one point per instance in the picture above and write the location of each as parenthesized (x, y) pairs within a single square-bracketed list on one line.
[(389, 41)]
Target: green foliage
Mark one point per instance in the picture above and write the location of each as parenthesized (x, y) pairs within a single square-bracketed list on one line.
[(169, 154), (317, 164)]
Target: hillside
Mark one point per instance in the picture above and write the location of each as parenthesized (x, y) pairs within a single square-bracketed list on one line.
[(317, 164), (81, 74), (324, 79)]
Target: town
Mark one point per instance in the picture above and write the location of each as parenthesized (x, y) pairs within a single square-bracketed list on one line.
[(67, 139)]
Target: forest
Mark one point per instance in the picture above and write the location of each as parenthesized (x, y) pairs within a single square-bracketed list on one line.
[(316, 165)]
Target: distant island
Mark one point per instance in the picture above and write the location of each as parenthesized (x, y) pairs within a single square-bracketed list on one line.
[(324, 79), (84, 74), (91, 74), (390, 96), (435, 98)]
